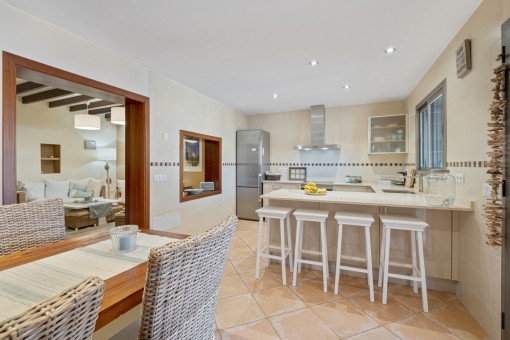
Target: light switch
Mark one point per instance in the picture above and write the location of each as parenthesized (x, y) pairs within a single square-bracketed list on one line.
[(160, 178), (459, 178), (165, 136)]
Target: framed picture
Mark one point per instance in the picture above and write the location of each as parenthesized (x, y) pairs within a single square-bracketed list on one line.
[(192, 155), (90, 145), (463, 58)]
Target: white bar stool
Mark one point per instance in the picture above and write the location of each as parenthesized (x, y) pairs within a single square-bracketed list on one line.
[(417, 227), (307, 215), (282, 214), (358, 220)]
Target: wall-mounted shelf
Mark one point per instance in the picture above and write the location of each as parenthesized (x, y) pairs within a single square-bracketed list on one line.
[(50, 158), (387, 134)]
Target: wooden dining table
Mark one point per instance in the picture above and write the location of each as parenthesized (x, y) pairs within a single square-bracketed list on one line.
[(122, 292)]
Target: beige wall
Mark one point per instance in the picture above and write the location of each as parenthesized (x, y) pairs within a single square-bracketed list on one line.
[(176, 107), (347, 126), (36, 124), (468, 99)]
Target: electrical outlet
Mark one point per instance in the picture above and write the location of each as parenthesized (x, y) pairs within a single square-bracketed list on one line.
[(459, 178)]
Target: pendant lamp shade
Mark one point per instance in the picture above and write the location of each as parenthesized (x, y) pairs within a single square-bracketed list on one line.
[(86, 121), (118, 115)]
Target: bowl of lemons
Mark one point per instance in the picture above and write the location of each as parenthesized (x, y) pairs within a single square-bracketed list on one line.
[(311, 189)]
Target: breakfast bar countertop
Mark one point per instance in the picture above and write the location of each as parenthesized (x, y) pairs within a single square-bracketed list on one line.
[(378, 197)]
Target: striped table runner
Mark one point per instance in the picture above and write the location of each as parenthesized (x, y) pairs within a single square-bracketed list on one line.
[(29, 284)]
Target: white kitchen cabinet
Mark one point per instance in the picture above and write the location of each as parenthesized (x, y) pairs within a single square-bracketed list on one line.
[(387, 134), (267, 187)]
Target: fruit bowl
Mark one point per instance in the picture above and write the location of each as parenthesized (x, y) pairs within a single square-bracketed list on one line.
[(311, 189), (315, 193)]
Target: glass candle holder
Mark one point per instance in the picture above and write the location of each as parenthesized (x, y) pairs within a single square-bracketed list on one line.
[(123, 238)]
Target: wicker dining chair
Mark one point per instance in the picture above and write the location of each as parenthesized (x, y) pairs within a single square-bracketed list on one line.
[(72, 315), (182, 284), (29, 225)]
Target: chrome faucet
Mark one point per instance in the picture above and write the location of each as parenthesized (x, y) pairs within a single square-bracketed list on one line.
[(419, 178)]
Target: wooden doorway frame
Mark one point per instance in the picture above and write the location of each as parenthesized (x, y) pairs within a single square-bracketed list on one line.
[(137, 136)]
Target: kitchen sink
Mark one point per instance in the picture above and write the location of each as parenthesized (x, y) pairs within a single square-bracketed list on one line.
[(352, 188), (397, 191)]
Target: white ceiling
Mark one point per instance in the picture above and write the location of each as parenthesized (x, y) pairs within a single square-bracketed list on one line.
[(240, 52)]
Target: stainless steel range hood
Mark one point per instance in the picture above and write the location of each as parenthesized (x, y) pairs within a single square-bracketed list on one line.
[(317, 127)]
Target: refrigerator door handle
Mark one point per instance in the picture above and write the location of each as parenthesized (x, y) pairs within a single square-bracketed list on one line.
[(260, 185)]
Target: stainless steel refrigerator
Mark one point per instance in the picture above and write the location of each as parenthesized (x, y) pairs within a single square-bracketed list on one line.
[(252, 162)]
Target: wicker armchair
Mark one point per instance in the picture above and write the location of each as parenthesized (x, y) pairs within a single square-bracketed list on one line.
[(30, 225), (182, 284), (71, 315)]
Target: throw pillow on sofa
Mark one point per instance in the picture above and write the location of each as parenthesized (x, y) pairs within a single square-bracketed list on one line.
[(95, 185), (33, 190), (75, 184), (56, 189), (83, 194)]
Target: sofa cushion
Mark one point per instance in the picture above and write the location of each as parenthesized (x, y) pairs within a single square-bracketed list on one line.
[(75, 184), (56, 189), (34, 190), (95, 186), (83, 194)]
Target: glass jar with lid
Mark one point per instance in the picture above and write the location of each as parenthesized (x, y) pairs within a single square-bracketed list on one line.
[(439, 188)]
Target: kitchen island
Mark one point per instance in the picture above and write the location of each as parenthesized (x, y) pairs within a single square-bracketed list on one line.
[(441, 239)]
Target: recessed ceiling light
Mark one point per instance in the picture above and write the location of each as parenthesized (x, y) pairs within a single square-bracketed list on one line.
[(390, 50), (346, 86), (275, 95), (313, 63)]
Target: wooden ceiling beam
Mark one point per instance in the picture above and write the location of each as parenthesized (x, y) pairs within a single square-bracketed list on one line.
[(27, 87), (102, 110), (93, 105), (68, 101), (45, 95)]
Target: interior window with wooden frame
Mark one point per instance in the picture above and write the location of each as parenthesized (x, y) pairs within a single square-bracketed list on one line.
[(200, 165)]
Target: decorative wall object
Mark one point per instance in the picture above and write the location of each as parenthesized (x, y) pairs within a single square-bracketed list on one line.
[(89, 144), (192, 155), (463, 58), (494, 207)]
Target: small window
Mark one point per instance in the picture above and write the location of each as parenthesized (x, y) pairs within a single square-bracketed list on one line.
[(431, 130)]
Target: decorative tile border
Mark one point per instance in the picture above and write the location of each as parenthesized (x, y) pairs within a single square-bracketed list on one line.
[(456, 164), (164, 163), (342, 164), (468, 164), (172, 164)]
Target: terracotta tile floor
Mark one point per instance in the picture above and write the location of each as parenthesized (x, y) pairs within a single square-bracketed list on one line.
[(265, 309)]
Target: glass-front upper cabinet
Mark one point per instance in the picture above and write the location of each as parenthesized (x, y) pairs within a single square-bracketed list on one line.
[(387, 134)]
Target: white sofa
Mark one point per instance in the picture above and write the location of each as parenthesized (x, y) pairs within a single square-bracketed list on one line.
[(69, 190)]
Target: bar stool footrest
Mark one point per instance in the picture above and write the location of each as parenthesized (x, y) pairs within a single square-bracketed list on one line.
[(311, 252), (354, 269), (274, 257), (353, 258), (400, 264), (405, 277), (318, 263)]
